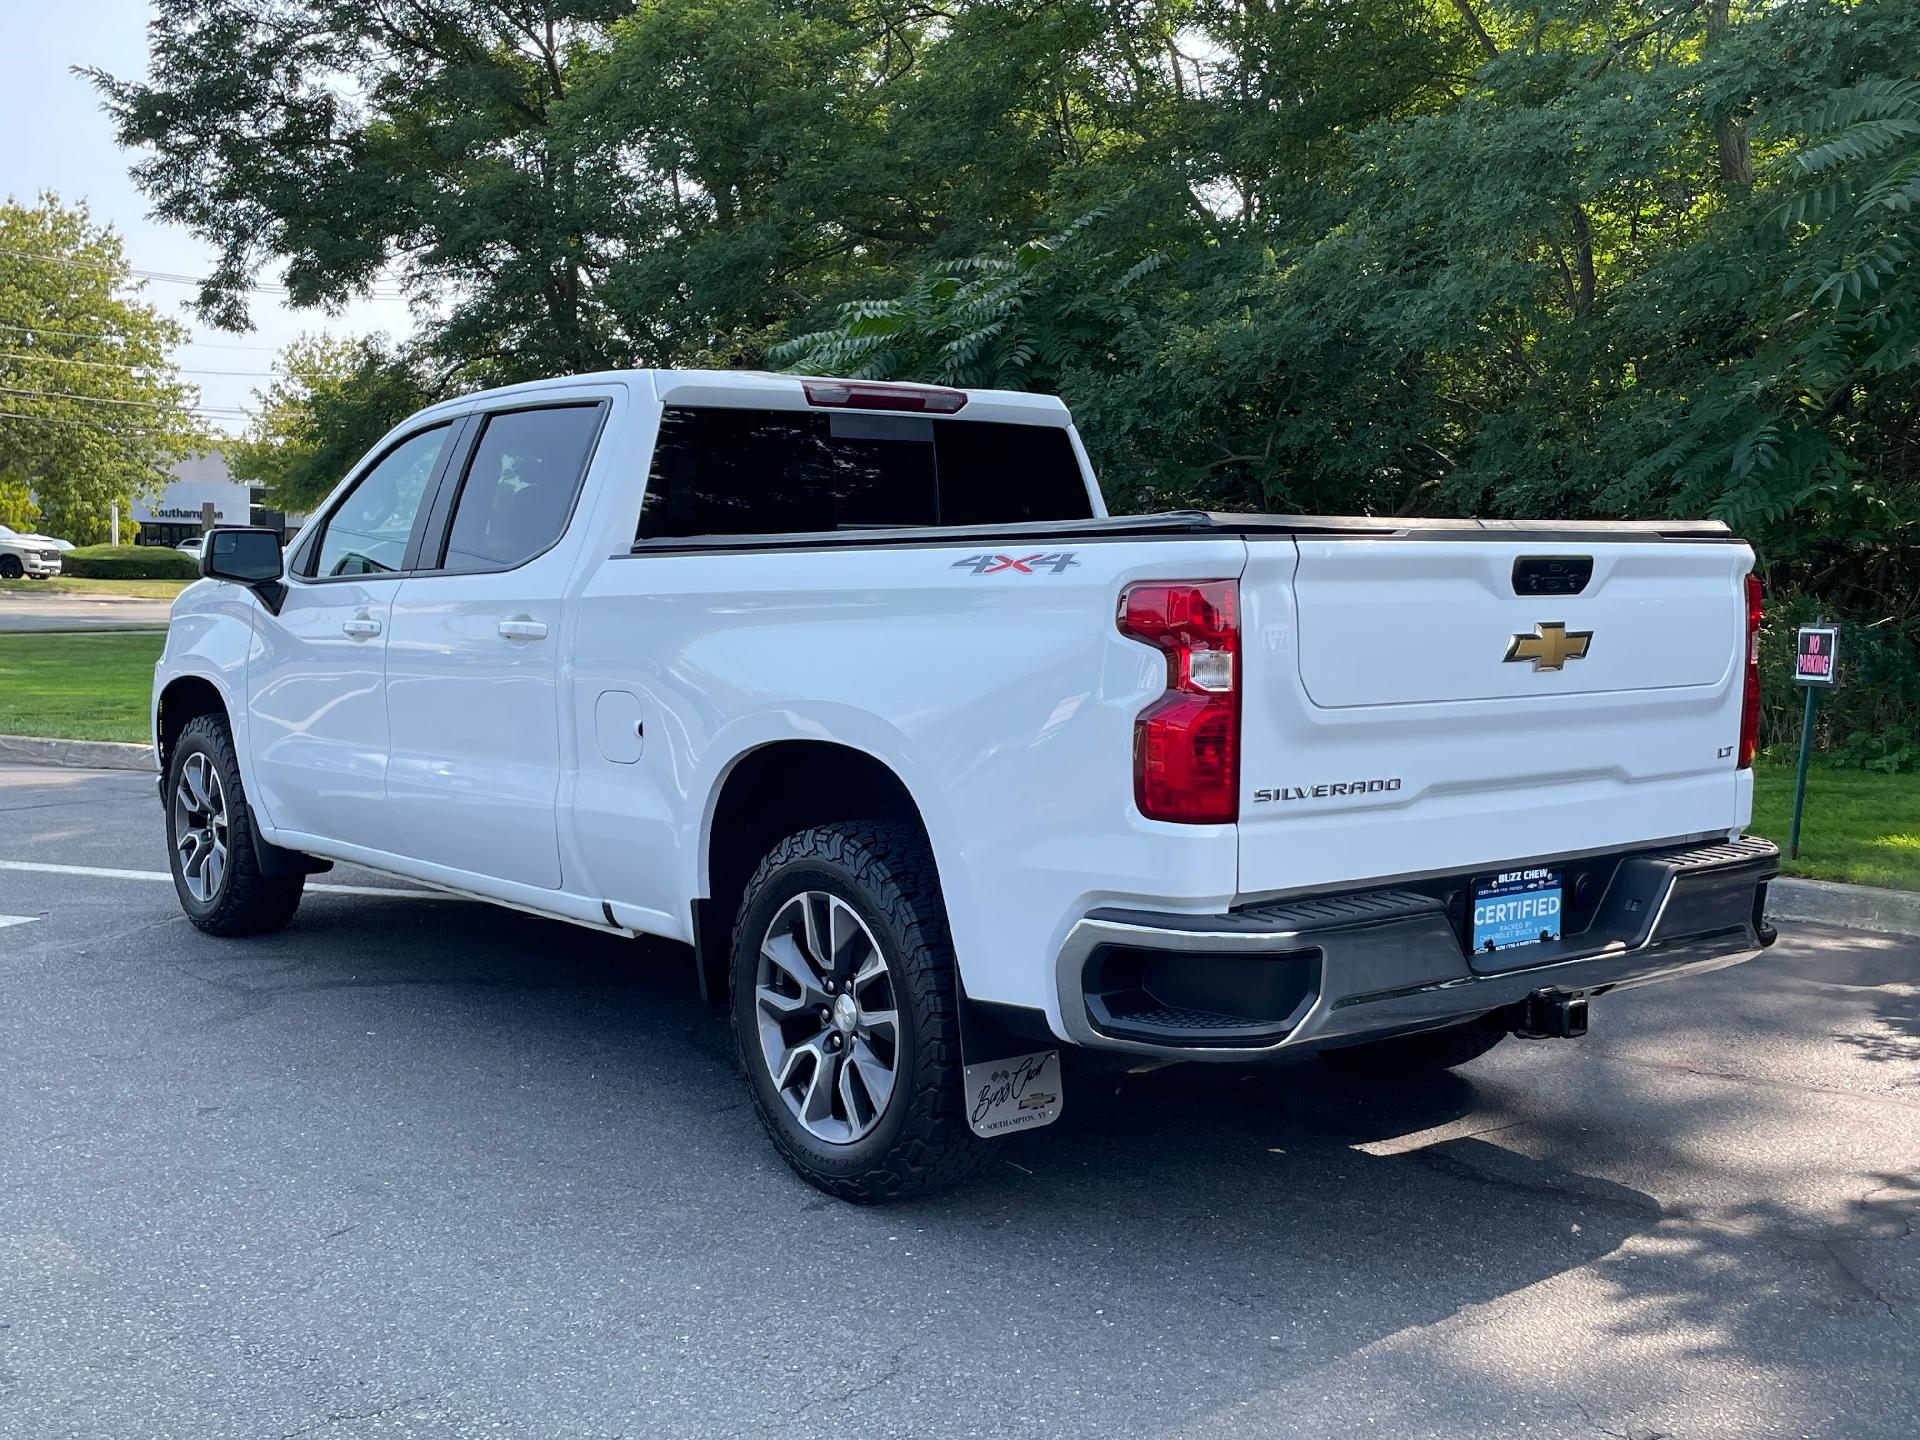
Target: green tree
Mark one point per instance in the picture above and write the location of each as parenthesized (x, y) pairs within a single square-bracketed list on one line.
[(17, 509), (92, 409), (330, 401), (1564, 257)]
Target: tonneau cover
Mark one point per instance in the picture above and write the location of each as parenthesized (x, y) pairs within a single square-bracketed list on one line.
[(1214, 522)]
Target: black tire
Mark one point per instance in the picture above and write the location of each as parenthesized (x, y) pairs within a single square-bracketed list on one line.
[(11, 568), (241, 900), (1421, 1053), (919, 1139)]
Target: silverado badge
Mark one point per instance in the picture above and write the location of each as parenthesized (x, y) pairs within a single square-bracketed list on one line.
[(1550, 646)]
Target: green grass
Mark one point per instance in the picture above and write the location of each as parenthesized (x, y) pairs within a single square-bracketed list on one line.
[(1858, 827), (78, 585), (77, 687)]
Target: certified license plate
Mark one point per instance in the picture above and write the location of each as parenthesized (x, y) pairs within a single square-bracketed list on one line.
[(1520, 907)]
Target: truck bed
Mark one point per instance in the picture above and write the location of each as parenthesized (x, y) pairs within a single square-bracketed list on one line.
[(1212, 523)]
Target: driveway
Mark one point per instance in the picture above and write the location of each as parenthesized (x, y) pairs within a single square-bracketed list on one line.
[(25, 610), (420, 1168)]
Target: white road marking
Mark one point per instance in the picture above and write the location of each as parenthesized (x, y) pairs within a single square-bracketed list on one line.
[(104, 872), (6, 920)]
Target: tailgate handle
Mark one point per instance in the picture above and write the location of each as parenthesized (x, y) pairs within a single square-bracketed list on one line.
[(1551, 574)]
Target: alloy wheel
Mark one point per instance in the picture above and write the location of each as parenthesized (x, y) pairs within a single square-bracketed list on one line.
[(829, 1029), (200, 827)]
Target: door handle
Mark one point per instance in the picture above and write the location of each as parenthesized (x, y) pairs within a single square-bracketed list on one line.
[(524, 629), (361, 627)]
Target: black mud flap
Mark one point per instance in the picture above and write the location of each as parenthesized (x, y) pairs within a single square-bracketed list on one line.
[(275, 861), (1012, 1068)]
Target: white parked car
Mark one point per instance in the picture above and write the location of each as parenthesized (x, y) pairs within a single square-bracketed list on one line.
[(191, 546), (859, 690), (35, 556)]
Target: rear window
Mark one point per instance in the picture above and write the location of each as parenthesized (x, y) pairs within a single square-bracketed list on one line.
[(775, 472)]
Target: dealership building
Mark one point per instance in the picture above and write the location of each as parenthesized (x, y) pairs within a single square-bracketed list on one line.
[(177, 512)]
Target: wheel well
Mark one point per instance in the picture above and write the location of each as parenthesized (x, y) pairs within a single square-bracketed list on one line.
[(772, 793), (183, 701)]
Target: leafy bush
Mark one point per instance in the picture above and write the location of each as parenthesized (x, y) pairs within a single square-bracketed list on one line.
[(1871, 719), (129, 562)]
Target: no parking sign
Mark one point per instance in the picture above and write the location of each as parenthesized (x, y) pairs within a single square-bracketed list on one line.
[(1816, 667), (1813, 655)]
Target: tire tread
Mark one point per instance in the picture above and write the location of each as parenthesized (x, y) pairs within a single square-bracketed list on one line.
[(890, 862), (252, 903)]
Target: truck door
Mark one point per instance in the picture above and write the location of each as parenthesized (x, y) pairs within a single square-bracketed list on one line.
[(316, 679), (473, 659)]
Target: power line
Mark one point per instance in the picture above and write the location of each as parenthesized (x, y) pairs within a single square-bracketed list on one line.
[(109, 335), (117, 365), (170, 277), (107, 400), (71, 420)]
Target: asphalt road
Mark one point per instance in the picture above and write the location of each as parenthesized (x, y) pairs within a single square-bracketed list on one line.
[(26, 610), (421, 1168)]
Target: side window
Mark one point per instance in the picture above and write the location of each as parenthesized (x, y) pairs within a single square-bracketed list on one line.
[(520, 486), (770, 472), (722, 471), (367, 532)]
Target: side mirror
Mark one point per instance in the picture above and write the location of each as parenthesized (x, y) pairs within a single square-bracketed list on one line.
[(246, 555)]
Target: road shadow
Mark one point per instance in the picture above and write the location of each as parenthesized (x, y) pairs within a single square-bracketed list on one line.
[(1279, 1232)]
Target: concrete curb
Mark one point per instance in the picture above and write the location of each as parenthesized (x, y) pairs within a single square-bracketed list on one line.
[(76, 754), (1857, 907)]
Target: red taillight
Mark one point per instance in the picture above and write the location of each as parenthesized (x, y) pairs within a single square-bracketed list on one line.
[(1750, 707), (1186, 745), (849, 395)]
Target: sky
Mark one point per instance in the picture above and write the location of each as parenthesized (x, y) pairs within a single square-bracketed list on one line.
[(57, 138)]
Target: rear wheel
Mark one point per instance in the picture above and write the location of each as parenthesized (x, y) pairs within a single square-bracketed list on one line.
[(216, 870), (1421, 1053), (845, 1013)]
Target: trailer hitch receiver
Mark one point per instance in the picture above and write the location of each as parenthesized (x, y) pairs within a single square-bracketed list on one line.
[(1550, 1015)]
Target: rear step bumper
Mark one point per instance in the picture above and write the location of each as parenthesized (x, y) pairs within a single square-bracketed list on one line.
[(1295, 974)]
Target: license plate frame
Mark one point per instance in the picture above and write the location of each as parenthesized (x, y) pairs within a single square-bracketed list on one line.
[(1514, 909)]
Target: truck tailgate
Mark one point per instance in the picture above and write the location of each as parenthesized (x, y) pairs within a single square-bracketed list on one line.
[(1416, 705)]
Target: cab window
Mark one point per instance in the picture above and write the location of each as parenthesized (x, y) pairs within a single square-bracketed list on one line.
[(367, 532), (519, 487)]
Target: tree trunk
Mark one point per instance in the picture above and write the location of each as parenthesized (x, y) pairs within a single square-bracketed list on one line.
[(1730, 130)]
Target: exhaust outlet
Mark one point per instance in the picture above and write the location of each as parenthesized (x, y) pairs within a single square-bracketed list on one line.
[(1549, 1015)]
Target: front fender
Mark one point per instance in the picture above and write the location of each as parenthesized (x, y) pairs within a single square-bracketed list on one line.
[(209, 638)]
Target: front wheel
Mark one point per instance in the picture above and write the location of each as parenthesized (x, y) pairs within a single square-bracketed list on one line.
[(216, 870), (845, 1012), (11, 568)]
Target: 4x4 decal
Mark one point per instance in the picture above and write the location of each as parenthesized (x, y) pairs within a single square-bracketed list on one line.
[(1058, 561)]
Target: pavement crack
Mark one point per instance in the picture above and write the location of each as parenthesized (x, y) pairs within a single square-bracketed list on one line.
[(339, 1417), (1735, 1077), (1854, 1274), (1627, 1434), (896, 1367)]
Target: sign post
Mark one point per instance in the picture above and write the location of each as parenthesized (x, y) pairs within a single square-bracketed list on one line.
[(1813, 670)]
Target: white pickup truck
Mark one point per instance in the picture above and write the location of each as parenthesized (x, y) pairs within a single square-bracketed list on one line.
[(34, 557), (857, 689)]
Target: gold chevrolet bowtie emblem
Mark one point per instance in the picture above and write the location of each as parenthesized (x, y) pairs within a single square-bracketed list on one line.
[(1550, 646)]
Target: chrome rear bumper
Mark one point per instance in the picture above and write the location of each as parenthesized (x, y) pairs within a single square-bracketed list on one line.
[(1276, 977)]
